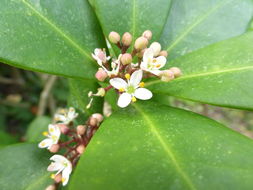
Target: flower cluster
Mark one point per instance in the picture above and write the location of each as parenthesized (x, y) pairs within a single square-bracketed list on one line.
[(78, 139), (125, 74)]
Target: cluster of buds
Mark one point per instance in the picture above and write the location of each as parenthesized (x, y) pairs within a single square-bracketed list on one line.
[(125, 74), (78, 139)]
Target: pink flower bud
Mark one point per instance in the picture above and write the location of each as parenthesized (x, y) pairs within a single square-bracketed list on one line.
[(167, 75), (156, 48), (93, 121), (58, 178), (80, 149), (54, 148), (114, 37), (126, 39), (164, 53), (126, 58), (140, 43), (81, 129), (101, 75), (63, 128), (51, 187), (147, 34), (177, 72), (98, 116)]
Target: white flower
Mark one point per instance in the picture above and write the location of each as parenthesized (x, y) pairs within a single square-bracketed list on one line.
[(100, 56), (152, 64), (65, 116), (61, 164), (53, 136), (131, 89)]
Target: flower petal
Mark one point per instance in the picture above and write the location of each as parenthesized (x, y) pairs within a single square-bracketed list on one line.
[(156, 72), (65, 176), (148, 54), (124, 100), (160, 62), (136, 78), (54, 130), (143, 94), (58, 158), (118, 83), (55, 166), (45, 143)]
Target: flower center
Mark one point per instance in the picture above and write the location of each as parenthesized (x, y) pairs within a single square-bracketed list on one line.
[(130, 89)]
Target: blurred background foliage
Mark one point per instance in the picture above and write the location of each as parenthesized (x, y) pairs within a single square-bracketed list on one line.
[(30, 99)]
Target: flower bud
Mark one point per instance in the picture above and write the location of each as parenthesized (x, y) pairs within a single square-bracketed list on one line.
[(126, 58), (156, 48), (126, 39), (140, 43), (80, 149), (63, 128), (98, 116), (147, 34), (54, 148), (114, 37), (141, 53), (177, 72), (101, 75), (167, 75), (93, 121), (163, 53), (58, 178), (51, 187), (81, 129)]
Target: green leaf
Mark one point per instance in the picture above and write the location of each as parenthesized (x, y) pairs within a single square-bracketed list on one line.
[(149, 146), (6, 139), (133, 16), (78, 98), (56, 37), (24, 167), (220, 74), (36, 128), (195, 24)]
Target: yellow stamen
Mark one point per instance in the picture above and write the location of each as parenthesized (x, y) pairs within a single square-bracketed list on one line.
[(52, 176), (51, 130), (43, 144), (63, 179), (127, 76), (154, 60), (158, 65), (142, 84), (121, 90), (45, 133), (134, 99)]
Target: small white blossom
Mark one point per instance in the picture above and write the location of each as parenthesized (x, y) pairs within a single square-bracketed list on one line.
[(152, 64), (61, 164), (131, 89), (100, 56), (65, 116), (53, 136)]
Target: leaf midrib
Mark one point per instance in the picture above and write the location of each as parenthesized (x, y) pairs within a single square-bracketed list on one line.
[(202, 74), (58, 30), (166, 148), (198, 21)]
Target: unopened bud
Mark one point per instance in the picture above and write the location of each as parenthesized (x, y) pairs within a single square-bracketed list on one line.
[(93, 121), (58, 178), (126, 39), (114, 37), (140, 43), (126, 58), (81, 129), (167, 75), (141, 53), (63, 128), (177, 72), (156, 48), (51, 187), (98, 116), (163, 53), (80, 149), (147, 34), (54, 148), (101, 74)]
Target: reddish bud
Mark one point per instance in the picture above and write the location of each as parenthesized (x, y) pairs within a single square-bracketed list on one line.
[(177, 72), (126, 58), (101, 75), (140, 43), (114, 37), (127, 39), (51, 187), (167, 75), (80, 149), (93, 121), (58, 178), (54, 148), (81, 129), (163, 53), (98, 116), (63, 128), (147, 34)]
